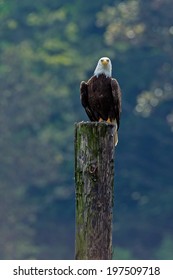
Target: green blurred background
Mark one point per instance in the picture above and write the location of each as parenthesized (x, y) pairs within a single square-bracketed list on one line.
[(47, 48)]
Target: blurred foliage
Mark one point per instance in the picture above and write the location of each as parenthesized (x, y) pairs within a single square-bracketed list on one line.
[(145, 28), (47, 48), (122, 254), (165, 251)]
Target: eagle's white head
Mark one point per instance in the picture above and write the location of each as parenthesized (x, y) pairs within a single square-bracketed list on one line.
[(104, 66)]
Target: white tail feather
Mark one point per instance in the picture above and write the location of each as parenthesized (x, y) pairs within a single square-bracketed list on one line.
[(116, 138)]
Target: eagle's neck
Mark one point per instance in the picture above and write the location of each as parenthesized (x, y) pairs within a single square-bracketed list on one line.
[(107, 71)]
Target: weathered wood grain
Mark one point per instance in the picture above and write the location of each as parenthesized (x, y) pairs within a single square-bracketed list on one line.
[(94, 175)]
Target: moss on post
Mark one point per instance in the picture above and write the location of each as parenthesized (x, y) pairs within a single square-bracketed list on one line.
[(94, 173)]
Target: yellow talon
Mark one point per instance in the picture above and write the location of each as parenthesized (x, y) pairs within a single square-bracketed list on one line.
[(108, 120)]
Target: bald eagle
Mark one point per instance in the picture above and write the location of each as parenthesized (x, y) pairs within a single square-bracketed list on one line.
[(101, 96)]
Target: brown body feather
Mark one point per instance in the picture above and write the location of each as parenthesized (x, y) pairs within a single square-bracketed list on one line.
[(101, 98)]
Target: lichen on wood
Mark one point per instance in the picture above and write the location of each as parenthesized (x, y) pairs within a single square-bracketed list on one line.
[(94, 174)]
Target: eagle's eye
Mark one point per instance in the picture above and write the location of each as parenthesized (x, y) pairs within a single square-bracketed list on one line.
[(107, 60), (101, 60)]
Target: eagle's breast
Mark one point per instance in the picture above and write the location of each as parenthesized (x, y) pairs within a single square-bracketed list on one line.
[(100, 96)]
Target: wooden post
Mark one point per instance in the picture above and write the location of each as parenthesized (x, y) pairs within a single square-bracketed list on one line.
[(94, 173)]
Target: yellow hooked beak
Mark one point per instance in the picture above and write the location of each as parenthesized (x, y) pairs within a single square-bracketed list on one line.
[(105, 62)]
